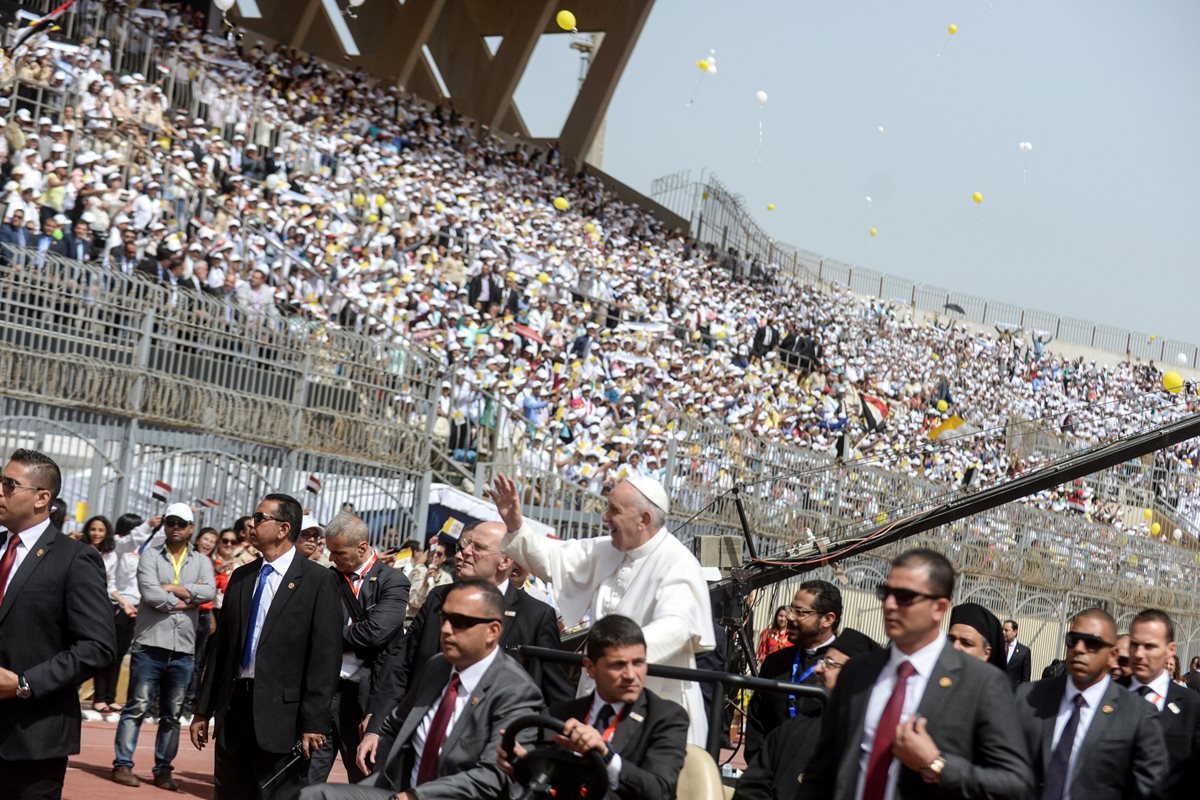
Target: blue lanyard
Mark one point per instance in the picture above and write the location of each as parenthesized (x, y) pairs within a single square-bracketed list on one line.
[(803, 677)]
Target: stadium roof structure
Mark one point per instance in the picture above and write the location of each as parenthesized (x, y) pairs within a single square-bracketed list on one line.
[(418, 42)]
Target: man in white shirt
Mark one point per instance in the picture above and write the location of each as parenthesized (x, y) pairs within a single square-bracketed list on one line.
[(1087, 737), (641, 571), (919, 712)]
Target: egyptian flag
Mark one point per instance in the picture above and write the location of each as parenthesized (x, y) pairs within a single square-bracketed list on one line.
[(313, 485), (161, 491), (874, 411), (39, 25)]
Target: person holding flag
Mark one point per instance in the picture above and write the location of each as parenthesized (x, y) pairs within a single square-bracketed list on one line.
[(174, 581)]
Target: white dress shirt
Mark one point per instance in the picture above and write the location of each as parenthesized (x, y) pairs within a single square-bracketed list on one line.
[(278, 567), (469, 678), (923, 661), (1158, 688), (1091, 700), (28, 538), (121, 563)]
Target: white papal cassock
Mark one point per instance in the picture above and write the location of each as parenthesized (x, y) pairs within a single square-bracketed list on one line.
[(658, 585)]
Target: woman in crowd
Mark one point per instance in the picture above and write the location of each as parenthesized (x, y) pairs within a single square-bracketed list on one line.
[(225, 561), (774, 637), (98, 532), (205, 543)]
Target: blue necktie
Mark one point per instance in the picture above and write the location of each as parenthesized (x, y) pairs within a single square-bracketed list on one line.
[(248, 649)]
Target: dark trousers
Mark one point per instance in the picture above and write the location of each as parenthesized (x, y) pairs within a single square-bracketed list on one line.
[(203, 620), (33, 780), (106, 679), (347, 713), (241, 766)]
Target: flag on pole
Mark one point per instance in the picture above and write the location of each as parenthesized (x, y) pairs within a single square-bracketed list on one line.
[(874, 411), (313, 485), (39, 25), (161, 491), (209, 502)]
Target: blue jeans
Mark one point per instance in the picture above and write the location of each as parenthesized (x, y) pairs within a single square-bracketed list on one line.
[(169, 671)]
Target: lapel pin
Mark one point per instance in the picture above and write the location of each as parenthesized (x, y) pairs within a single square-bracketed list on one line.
[(636, 717), (510, 613), (292, 585), (474, 701), (945, 683), (1174, 708), (1106, 708), (41, 551)]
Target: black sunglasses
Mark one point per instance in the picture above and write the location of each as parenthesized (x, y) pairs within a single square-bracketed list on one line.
[(175, 522), (904, 597), (259, 518), (1092, 643), (460, 622), (229, 541)]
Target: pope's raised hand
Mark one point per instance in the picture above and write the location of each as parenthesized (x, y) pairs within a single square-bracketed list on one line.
[(508, 501)]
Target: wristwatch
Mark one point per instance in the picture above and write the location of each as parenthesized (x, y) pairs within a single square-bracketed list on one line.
[(932, 772), (608, 757), (23, 691)]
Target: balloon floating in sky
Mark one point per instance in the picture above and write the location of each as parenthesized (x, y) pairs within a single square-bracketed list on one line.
[(760, 97), (874, 232), (977, 197), (1173, 382), (565, 20), (868, 199), (880, 129), (561, 203), (1025, 147), (770, 206), (952, 29)]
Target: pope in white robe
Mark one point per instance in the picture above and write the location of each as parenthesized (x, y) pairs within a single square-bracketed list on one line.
[(640, 571)]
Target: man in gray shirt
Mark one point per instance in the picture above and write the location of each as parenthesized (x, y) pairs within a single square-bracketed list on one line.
[(174, 580)]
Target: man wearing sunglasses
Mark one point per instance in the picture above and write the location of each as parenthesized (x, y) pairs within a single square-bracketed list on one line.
[(525, 621), (173, 582), (56, 630), (1087, 737), (441, 741), (919, 712), (1151, 645), (273, 668)]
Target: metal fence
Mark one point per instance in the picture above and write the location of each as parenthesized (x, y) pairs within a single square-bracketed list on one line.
[(719, 216)]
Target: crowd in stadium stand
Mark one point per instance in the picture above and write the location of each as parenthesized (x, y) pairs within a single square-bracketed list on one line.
[(305, 192)]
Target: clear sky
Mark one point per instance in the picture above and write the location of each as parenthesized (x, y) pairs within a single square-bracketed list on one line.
[(1105, 225)]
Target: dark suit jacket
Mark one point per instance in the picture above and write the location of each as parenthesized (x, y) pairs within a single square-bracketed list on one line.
[(1193, 681), (475, 288), (298, 658), (774, 771), (378, 614), (1122, 755), (768, 710), (1180, 720), (766, 339), (56, 629), (1020, 666), (969, 708), (66, 247), (526, 621), (467, 762), (652, 748)]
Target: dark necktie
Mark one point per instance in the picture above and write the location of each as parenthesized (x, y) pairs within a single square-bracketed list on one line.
[(604, 717), (6, 563), (880, 760), (427, 771), (1149, 695), (1060, 763), (251, 645)]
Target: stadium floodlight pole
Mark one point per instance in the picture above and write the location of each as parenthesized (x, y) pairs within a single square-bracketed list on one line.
[(758, 574)]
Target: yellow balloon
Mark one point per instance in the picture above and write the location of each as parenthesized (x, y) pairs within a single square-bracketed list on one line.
[(543, 277), (360, 200), (380, 200), (439, 207), (1147, 513), (770, 206), (565, 20), (1173, 382), (977, 197), (702, 65), (589, 227), (561, 203), (952, 28), (873, 231), (943, 406), (1155, 529)]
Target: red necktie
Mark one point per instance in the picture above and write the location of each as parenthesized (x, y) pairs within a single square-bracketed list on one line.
[(6, 563), (880, 759), (427, 771)]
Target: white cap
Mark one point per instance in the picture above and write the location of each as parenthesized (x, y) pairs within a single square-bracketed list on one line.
[(311, 522), (181, 510), (651, 489)]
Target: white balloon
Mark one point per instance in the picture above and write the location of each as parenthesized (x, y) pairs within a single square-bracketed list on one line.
[(711, 69), (223, 5), (1029, 147), (881, 129), (1178, 534), (357, 3), (1182, 359), (868, 199), (272, 181), (761, 97)]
